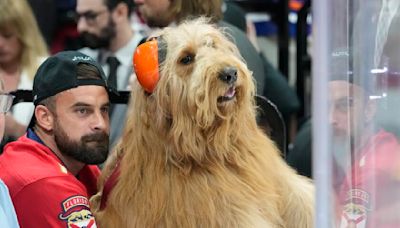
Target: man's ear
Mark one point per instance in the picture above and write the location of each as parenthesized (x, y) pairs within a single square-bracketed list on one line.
[(44, 117), (121, 12)]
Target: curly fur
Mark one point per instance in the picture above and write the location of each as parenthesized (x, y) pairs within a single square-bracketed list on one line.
[(188, 160)]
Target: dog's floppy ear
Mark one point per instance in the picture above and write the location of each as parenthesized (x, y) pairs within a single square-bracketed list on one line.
[(146, 62)]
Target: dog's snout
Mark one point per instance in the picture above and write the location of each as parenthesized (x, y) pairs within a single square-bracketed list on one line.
[(228, 75)]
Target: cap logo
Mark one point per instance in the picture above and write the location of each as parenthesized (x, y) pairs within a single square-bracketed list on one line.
[(81, 58)]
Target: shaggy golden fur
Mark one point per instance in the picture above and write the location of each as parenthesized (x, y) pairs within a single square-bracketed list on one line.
[(190, 160)]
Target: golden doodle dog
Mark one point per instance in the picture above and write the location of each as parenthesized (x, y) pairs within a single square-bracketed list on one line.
[(191, 154)]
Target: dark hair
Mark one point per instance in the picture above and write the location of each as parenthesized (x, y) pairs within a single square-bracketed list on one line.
[(186, 9), (50, 103), (111, 4), (87, 71)]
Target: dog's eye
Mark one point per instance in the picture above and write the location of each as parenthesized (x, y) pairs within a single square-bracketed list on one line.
[(187, 59)]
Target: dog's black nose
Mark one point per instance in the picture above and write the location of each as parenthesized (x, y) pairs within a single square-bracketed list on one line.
[(228, 75)]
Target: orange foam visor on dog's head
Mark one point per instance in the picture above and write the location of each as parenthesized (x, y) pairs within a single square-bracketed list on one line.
[(146, 61)]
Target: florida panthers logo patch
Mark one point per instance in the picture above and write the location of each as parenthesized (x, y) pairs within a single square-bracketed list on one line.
[(76, 213), (355, 210)]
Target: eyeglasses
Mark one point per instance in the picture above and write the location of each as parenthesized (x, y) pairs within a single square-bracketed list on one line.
[(6, 101), (89, 16)]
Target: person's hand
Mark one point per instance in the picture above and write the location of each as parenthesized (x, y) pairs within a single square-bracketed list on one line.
[(252, 34), (132, 79)]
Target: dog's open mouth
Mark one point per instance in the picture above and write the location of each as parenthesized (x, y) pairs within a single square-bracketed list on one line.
[(229, 95)]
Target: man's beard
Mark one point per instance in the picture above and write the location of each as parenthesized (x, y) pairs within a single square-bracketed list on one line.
[(103, 40), (342, 151), (342, 148), (156, 23), (90, 149), (159, 21)]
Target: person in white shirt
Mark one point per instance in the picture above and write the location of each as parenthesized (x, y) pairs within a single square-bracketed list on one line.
[(105, 28)]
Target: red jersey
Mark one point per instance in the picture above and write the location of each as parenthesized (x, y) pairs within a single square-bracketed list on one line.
[(369, 194), (43, 191)]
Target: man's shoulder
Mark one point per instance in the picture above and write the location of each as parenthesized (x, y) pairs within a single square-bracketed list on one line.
[(31, 182), (380, 158), (53, 202), (385, 144), (26, 161)]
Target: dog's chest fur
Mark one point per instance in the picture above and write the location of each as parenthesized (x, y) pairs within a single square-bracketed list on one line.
[(202, 198)]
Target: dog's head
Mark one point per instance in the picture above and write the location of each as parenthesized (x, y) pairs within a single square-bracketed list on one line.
[(194, 72)]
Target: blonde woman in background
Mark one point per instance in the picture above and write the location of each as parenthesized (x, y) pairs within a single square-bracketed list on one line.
[(22, 49)]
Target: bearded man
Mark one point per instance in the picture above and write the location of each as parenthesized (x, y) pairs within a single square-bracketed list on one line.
[(105, 28), (51, 171)]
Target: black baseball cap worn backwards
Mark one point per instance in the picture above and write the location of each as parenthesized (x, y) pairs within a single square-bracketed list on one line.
[(59, 73)]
